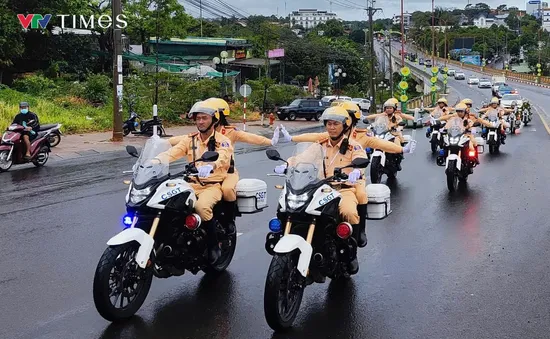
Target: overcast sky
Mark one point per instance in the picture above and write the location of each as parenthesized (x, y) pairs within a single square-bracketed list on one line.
[(389, 7)]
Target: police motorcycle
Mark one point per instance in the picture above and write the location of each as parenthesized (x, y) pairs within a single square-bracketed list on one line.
[(434, 131), (307, 225), (512, 120), (458, 160), (526, 115), (382, 163), (163, 236), (492, 134)]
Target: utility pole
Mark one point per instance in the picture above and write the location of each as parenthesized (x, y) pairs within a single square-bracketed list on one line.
[(433, 32), (117, 74), (371, 12), (200, 14)]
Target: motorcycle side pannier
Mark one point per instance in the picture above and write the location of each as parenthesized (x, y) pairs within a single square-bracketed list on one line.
[(251, 195), (379, 205)]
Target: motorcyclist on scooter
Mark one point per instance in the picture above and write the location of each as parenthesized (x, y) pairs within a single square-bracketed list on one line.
[(468, 120), (395, 117), (438, 111), (30, 121), (209, 191), (494, 106), (234, 135), (340, 152), (360, 136)]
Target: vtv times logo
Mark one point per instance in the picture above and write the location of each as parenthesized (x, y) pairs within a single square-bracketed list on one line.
[(36, 21)]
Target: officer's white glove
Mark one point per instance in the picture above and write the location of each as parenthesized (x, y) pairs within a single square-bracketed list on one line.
[(286, 135), (204, 171), (354, 176), (410, 147), (280, 169), (275, 139)]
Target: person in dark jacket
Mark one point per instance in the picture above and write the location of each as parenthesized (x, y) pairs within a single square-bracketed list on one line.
[(30, 121)]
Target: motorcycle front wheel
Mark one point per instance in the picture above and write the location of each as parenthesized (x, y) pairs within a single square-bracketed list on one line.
[(5, 163), (117, 279), (452, 177), (283, 291)]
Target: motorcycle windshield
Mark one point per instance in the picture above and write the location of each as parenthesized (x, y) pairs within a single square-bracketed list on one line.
[(380, 125), (144, 171), (492, 116), (305, 166), (456, 127)]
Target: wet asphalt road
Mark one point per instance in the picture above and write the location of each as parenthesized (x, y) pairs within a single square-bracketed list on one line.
[(466, 265)]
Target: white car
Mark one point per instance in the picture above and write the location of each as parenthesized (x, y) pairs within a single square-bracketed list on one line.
[(484, 83), (460, 76), (364, 104), (331, 98), (451, 72), (507, 99), (473, 81)]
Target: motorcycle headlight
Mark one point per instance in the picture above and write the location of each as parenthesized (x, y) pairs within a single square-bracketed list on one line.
[(137, 196), (454, 140), (296, 201)]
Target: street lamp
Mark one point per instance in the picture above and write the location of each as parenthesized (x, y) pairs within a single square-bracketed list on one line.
[(222, 61), (339, 74)]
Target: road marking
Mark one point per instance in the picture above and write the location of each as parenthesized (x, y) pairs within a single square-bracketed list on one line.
[(239, 234), (538, 109)]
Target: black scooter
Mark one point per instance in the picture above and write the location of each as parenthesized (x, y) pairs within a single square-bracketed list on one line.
[(145, 126)]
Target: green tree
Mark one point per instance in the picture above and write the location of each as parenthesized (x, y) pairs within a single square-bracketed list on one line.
[(11, 40), (512, 20)]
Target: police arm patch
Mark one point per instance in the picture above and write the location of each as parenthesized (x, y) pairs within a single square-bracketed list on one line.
[(357, 148), (225, 144)]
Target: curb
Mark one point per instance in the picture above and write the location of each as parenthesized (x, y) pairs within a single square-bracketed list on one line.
[(267, 132)]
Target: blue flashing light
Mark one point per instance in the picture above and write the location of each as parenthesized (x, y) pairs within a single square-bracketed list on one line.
[(275, 225), (441, 152), (484, 130), (127, 220), (368, 150)]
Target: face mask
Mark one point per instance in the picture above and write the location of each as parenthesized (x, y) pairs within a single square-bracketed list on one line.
[(24, 110)]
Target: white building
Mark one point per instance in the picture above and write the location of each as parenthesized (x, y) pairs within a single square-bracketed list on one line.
[(407, 19), (486, 21), (535, 7), (310, 18), (546, 19)]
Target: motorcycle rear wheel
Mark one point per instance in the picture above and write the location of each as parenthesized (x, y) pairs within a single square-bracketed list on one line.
[(376, 171), (54, 139), (117, 265), (282, 288), (228, 251), (42, 158)]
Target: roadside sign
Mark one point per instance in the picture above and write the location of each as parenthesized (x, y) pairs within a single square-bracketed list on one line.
[(245, 90)]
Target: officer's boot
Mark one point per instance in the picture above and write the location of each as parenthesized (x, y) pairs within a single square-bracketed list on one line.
[(229, 215), (214, 251), (360, 234)]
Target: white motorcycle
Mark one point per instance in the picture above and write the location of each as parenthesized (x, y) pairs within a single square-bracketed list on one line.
[(493, 134), (382, 163), (308, 209), (162, 236)]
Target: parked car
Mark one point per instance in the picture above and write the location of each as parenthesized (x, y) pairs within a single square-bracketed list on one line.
[(331, 98), (484, 83), (364, 104), (460, 76), (507, 99), (302, 108), (505, 89), (473, 81), (428, 63), (451, 72)]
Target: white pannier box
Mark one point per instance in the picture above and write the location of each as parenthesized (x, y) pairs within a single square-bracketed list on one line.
[(251, 195), (378, 206), (480, 145)]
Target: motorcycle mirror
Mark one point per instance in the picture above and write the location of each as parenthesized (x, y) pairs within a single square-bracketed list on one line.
[(132, 151), (360, 162), (209, 156), (402, 123), (273, 154)]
